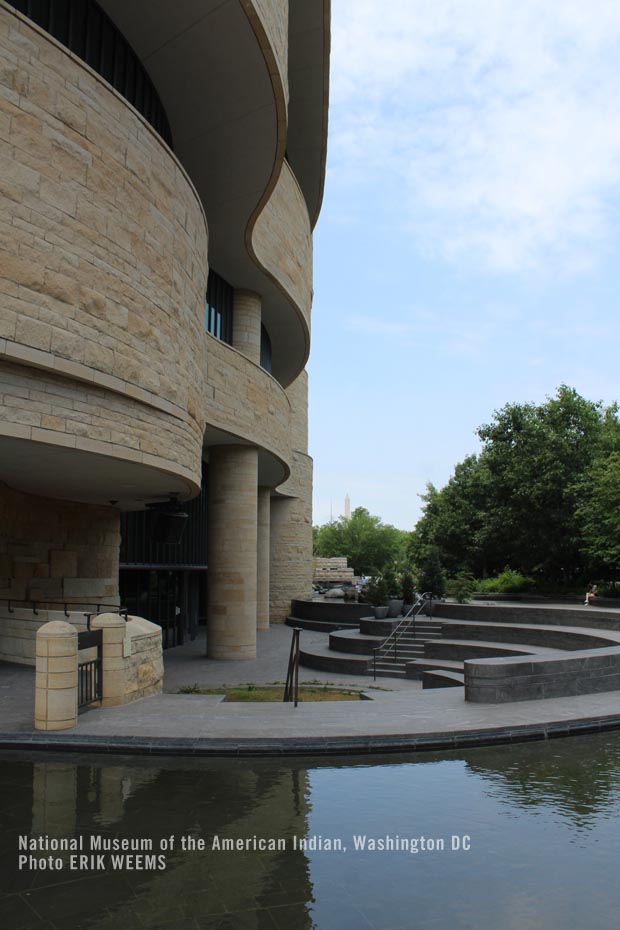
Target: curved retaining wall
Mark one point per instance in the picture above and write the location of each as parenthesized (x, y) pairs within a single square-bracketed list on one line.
[(498, 681), (504, 613), (338, 611), (552, 637)]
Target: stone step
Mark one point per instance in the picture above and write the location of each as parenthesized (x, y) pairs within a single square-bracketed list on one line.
[(354, 642), (327, 660), (402, 653), (461, 649), (318, 626), (416, 667), (442, 678), (389, 673)]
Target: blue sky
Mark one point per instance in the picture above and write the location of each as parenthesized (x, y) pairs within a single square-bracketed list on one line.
[(467, 253)]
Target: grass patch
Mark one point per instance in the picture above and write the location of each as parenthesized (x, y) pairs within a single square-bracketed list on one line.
[(264, 693)]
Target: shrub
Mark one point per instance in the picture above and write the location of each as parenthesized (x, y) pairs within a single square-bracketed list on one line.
[(609, 590), (507, 582), (376, 592), (461, 587)]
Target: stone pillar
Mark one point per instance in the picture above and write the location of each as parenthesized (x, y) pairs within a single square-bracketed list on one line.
[(232, 514), (246, 324), (291, 515), (112, 657), (56, 690), (262, 595)]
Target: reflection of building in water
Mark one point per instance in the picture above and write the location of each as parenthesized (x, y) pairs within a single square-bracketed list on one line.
[(102, 793), (206, 801)]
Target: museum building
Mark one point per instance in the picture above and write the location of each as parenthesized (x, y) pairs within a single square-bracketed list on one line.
[(161, 171)]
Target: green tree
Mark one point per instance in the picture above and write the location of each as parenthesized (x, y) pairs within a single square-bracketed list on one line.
[(599, 514), (522, 501), (535, 456), (456, 520), (369, 544), (431, 576)]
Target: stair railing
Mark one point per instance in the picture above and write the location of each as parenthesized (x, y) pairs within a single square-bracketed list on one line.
[(405, 625)]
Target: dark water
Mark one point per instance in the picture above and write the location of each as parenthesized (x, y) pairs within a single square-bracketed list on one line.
[(540, 824)]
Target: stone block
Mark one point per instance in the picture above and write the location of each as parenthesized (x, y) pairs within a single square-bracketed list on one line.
[(62, 705), (63, 563)]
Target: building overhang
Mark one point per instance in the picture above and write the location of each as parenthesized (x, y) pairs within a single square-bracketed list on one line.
[(309, 48), (65, 473), (226, 100)]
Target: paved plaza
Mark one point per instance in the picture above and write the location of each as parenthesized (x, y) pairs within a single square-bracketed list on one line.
[(399, 716)]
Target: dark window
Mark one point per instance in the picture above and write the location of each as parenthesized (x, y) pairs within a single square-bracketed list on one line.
[(219, 308), (138, 547), (84, 28), (265, 349)]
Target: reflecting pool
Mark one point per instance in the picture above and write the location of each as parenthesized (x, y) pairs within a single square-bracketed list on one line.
[(524, 836)]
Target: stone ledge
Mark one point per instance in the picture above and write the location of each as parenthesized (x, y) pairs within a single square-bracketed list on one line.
[(48, 361), (311, 746), (502, 680)]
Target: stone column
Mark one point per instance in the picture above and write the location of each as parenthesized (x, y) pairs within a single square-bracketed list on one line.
[(264, 519), (246, 324), (291, 515), (114, 685), (56, 691), (232, 514)]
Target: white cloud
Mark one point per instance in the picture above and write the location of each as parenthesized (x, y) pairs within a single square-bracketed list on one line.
[(499, 121)]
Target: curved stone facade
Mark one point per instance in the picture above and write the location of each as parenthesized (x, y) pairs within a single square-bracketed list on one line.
[(104, 250), (282, 241), (112, 394), (242, 399), (273, 15)]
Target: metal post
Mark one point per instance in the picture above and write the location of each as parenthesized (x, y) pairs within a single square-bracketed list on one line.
[(296, 667)]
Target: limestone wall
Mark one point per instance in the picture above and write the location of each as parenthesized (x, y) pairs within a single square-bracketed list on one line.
[(103, 269), (48, 408), (297, 393), (291, 515), (243, 399), (52, 551), (103, 247), (143, 665), (273, 16), (334, 569), (291, 540), (19, 626), (282, 240)]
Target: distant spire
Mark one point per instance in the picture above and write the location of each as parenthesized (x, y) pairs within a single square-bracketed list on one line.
[(331, 511), (347, 507)]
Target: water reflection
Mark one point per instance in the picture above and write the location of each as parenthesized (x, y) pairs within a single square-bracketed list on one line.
[(542, 821), (578, 779)]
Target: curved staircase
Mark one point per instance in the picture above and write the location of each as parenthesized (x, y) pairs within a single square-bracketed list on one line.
[(434, 649)]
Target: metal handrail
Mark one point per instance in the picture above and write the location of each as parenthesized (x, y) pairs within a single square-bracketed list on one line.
[(35, 606), (291, 689), (402, 628)]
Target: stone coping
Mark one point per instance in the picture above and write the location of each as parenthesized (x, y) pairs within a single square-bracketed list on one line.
[(194, 725), (307, 746)]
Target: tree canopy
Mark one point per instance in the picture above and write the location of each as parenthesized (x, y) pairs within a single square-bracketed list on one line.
[(542, 496), (369, 545)]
